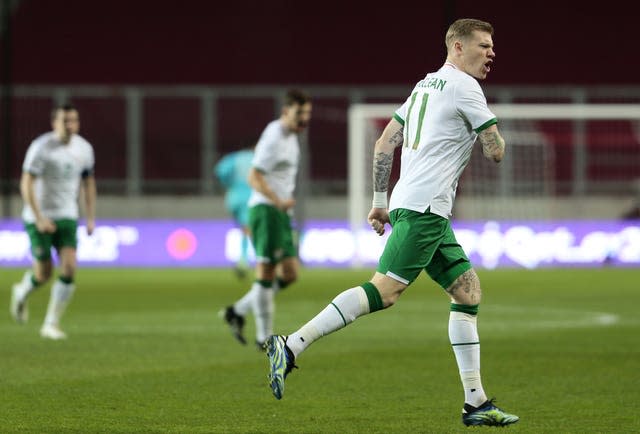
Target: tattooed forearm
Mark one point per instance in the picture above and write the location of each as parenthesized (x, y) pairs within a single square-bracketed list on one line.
[(492, 145), (381, 171), (383, 155)]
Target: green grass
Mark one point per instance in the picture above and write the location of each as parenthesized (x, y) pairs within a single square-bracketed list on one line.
[(147, 353)]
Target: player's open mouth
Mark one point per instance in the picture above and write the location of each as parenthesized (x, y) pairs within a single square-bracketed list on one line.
[(487, 66)]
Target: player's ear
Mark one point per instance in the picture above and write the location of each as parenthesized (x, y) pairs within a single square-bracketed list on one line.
[(457, 46)]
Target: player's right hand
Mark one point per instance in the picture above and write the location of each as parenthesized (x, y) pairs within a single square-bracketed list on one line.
[(377, 218), (284, 205), (45, 225)]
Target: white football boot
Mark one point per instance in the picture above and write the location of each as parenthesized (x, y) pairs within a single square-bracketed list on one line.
[(50, 331)]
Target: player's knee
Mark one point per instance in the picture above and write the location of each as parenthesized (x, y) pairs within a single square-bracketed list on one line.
[(389, 299), (289, 271), (42, 276), (70, 267), (289, 276), (265, 271), (389, 289), (283, 283), (42, 272), (68, 270)]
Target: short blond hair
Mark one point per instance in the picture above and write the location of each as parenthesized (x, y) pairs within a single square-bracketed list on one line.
[(463, 28)]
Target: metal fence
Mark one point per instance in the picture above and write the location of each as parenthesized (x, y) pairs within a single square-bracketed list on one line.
[(166, 139)]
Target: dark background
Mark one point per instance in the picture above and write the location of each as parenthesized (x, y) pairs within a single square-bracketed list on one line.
[(550, 45), (276, 42)]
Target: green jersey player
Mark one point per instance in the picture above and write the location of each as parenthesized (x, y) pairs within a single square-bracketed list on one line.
[(437, 127), (55, 166), (272, 179)]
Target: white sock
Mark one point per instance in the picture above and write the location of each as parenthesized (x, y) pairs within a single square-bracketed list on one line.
[(463, 335), (343, 310), (60, 296), (25, 286), (245, 304), (263, 310)]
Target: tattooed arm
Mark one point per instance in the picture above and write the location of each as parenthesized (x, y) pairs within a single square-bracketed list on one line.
[(382, 161), (492, 143), (390, 139)]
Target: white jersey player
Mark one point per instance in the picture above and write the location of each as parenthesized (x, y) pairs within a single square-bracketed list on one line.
[(57, 167), (272, 179), (436, 127), (438, 145)]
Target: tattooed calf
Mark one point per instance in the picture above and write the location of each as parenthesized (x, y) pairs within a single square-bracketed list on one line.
[(466, 286)]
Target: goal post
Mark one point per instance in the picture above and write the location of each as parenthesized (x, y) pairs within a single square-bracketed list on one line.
[(360, 158), (553, 150)]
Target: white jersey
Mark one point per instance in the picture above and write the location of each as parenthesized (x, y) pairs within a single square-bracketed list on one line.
[(276, 155), (58, 168), (442, 118)]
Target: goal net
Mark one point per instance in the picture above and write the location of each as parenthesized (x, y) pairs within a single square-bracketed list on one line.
[(554, 152)]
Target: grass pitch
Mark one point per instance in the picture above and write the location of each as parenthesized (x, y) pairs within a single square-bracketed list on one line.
[(147, 353)]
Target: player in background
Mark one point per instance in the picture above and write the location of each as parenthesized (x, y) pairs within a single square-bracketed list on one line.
[(436, 127), (272, 178), (233, 171), (56, 166)]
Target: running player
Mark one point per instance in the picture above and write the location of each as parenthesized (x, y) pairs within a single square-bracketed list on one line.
[(56, 165), (436, 127), (272, 178)]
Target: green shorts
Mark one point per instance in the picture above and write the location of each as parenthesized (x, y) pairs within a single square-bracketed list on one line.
[(65, 235), (271, 234), (422, 241)]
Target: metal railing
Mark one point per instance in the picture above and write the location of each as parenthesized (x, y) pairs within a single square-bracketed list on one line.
[(330, 112)]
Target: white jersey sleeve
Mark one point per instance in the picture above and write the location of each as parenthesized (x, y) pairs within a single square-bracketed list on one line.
[(34, 161), (472, 104), (401, 114)]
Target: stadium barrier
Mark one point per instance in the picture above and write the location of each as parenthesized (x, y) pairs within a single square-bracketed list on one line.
[(198, 243)]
